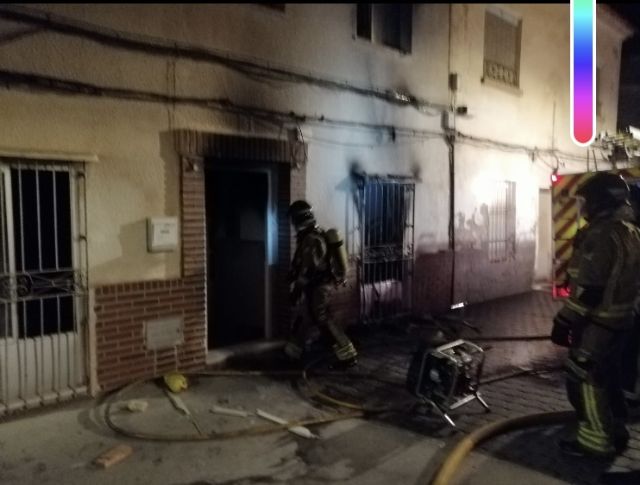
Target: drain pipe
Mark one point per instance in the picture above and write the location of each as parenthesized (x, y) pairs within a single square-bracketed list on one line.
[(450, 139)]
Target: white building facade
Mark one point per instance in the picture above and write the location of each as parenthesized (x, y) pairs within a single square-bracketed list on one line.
[(211, 119)]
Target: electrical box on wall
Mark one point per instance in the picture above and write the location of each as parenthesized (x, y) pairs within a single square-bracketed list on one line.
[(162, 234)]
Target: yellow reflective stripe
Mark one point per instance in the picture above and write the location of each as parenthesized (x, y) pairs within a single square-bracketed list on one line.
[(603, 447), (590, 408), (591, 434), (587, 405), (613, 312), (594, 404), (345, 352), (582, 310), (595, 440)]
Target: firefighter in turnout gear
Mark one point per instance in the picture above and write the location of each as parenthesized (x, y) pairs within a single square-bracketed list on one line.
[(313, 273), (631, 353), (598, 315)]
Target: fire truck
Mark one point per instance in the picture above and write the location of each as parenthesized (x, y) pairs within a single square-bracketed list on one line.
[(567, 220)]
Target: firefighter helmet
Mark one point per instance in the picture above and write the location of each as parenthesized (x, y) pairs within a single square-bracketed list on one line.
[(603, 191), (301, 214)]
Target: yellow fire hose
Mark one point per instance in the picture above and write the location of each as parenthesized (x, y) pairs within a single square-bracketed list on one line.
[(451, 464)]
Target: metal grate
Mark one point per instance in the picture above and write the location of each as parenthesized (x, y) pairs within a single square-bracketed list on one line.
[(502, 222), (386, 215), (43, 287), (498, 72)]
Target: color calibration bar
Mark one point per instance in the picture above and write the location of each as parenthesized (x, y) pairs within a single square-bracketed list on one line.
[(583, 71)]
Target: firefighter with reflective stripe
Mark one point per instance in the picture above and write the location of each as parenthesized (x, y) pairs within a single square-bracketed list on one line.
[(597, 316), (311, 280), (631, 353)]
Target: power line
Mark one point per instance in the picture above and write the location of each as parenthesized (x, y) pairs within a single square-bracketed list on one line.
[(37, 82), (28, 81), (161, 47)]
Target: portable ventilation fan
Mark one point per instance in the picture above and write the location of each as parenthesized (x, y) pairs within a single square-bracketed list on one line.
[(447, 377)]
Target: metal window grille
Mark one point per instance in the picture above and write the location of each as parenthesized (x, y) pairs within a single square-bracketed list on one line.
[(386, 215), (502, 222), (43, 286), (502, 35)]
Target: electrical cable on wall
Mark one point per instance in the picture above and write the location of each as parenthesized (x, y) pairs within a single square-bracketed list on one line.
[(12, 79), (30, 82), (161, 47)]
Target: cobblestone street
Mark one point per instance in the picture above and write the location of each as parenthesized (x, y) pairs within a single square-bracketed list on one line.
[(523, 315)]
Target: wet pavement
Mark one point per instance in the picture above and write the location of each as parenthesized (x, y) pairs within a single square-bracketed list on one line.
[(403, 445)]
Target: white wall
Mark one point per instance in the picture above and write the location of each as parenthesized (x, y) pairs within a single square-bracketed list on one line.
[(137, 175)]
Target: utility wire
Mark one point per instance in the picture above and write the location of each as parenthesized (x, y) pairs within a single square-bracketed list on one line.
[(29, 82), (161, 47), (12, 79)]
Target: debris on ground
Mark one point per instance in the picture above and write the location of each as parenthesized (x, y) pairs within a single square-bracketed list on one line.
[(298, 430), (179, 404), (137, 406), (229, 412), (113, 456)]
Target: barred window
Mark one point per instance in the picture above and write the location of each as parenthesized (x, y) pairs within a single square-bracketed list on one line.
[(502, 222), (502, 36)]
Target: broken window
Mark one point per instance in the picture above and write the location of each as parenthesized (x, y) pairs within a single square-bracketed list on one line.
[(502, 222), (388, 24), (502, 35)]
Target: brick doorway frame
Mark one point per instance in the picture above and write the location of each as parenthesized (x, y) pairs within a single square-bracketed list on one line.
[(201, 149), (122, 309)]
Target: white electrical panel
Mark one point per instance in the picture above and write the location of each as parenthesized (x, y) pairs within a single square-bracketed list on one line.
[(162, 234)]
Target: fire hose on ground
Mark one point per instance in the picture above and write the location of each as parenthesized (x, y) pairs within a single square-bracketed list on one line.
[(451, 464), (445, 471)]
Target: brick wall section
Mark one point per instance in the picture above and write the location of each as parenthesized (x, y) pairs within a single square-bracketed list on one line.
[(123, 309), (121, 312)]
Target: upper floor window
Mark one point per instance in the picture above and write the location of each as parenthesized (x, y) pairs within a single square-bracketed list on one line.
[(502, 35), (386, 23)]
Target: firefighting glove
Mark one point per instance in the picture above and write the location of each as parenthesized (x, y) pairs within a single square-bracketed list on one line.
[(566, 323)]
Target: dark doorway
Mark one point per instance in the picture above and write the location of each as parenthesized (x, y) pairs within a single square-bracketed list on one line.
[(236, 203)]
